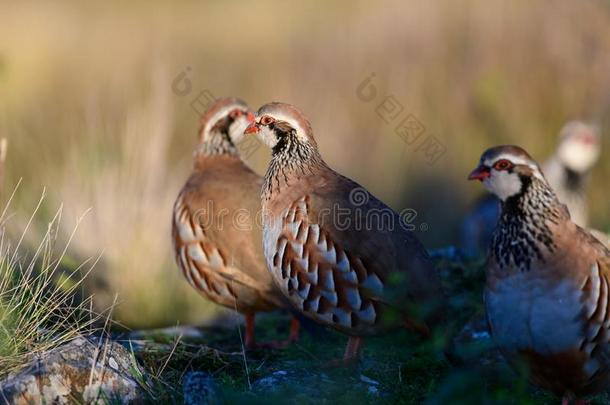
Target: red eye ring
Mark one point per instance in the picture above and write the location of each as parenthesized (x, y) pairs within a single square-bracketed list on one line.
[(266, 120), (503, 164)]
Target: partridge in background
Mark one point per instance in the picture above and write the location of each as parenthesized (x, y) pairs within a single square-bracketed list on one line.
[(567, 172), (217, 243), (341, 256), (548, 281)]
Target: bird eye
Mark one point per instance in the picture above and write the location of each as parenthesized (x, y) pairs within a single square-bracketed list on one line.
[(266, 120), (503, 164), (235, 113)]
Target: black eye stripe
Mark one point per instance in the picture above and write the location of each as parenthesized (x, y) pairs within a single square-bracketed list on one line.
[(267, 120)]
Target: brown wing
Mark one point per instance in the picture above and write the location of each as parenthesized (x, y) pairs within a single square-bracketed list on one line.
[(596, 303), (604, 238), (587, 260), (342, 255), (216, 240), (199, 259)]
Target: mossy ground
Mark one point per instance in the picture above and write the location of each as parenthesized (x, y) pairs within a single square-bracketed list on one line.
[(406, 369)]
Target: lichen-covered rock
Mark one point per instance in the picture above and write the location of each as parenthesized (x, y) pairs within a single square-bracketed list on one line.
[(87, 371)]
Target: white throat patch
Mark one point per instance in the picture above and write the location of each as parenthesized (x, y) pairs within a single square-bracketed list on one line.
[(267, 136), (503, 184), (237, 128)]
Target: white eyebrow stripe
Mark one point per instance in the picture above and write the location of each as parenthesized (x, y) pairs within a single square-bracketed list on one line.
[(217, 117), (291, 121), (517, 160)]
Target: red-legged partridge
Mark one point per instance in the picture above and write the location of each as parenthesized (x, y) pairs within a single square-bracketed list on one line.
[(341, 256), (548, 281), (216, 240)]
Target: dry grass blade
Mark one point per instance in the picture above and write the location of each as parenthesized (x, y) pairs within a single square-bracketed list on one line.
[(38, 308), (3, 152), (178, 339)]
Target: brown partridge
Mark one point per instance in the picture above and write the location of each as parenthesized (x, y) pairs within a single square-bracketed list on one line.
[(548, 281), (217, 243), (342, 257)]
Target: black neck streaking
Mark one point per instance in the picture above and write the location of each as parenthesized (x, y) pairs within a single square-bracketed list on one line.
[(218, 141), (522, 232), (290, 158), (574, 181)]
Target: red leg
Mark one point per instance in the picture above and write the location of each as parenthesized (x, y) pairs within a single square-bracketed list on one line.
[(293, 337), (250, 340), (351, 356), (417, 327), (352, 350), (295, 326)]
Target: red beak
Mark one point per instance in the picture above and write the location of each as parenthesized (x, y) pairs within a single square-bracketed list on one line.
[(250, 116), (252, 128), (480, 173)]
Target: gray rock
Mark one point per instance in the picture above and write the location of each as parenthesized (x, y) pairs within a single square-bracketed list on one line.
[(81, 371), (450, 253), (199, 388), (185, 332), (475, 343), (275, 381), (315, 385)]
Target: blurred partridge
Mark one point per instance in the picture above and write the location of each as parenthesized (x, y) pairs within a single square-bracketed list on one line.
[(567, 171), (217, 243), (548, 281), (341, 256)]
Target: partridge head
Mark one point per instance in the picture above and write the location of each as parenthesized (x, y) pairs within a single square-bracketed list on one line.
[(222, 126), (566, 171), (506, 170), (579, 146), (286, 131)]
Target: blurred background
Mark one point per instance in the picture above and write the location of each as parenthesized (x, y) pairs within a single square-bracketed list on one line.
[(100, 101)]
